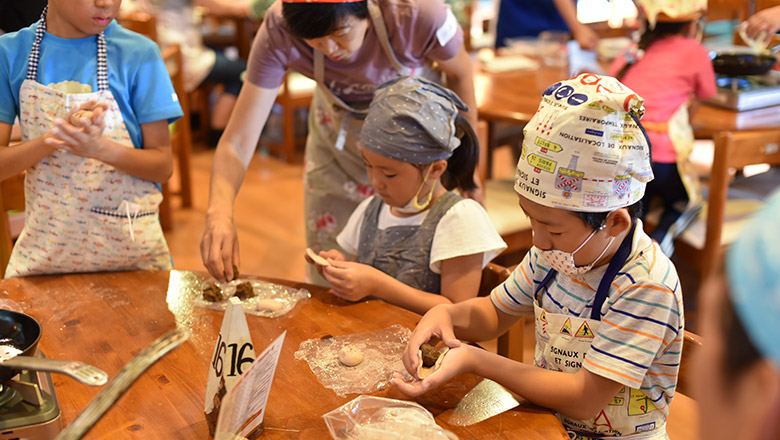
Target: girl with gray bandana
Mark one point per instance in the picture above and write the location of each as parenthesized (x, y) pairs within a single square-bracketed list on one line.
[(415, 244)]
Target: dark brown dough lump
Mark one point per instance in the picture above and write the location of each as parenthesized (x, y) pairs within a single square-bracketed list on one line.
[(212, 293), (429, 355), (245, 290), (235, 272)]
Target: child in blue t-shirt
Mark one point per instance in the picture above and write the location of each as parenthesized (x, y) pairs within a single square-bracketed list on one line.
[(93, 101)]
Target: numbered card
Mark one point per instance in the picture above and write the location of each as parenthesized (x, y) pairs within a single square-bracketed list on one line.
[(243, 408), (233, 354)]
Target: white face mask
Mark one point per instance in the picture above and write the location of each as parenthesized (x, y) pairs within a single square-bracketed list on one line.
[(413, 206), (563, 262)]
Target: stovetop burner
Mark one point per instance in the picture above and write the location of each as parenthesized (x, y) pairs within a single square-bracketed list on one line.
[(747, 92), (28, 407)]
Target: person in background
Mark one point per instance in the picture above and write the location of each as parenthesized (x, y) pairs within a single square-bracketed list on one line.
[(15, 14), (737, 381), (607, 302), (671, 70), (765, 22), (94, 101), (177, 23), (349, 47), (416, 243), (527, 18)]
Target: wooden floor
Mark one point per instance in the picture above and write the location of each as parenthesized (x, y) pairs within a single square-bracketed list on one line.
[(268, 214)]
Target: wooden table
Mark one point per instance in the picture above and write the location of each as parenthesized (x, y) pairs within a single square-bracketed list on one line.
[(105, 319)]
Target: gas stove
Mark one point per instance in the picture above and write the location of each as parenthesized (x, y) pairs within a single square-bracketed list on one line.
[(28, 407), (747, 92)]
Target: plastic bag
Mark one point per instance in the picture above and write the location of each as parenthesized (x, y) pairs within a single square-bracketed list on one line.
[(285, 297), (381, 349), (380, 418)]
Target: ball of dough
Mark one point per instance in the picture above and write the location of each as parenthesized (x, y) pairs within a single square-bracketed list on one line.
[(269, 305), (350, 356), (81, 114)]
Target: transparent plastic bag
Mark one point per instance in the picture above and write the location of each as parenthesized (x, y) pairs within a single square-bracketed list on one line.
[(283, 297), (380, 418), (381, 349)]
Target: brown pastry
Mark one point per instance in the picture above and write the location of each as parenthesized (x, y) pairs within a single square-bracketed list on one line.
[(245, 290), (235, 272), (212, 293), (429, 355)]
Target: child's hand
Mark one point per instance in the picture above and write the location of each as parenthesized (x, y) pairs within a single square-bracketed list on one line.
[(85, 138), (764, 24), (436, 325), (457, 361), (219, 248), (349, 280)]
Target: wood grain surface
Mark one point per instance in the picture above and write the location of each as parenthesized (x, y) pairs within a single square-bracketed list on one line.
[(105, 319)]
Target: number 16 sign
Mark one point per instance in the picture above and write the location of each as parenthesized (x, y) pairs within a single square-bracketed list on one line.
[(233, 353)]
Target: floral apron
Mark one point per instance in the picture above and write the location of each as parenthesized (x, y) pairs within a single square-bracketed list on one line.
[(335, 179), (563, 341), (681, 134), (82, 215)]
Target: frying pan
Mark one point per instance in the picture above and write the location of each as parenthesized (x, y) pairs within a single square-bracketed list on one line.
[(23, 332), (735, 64)]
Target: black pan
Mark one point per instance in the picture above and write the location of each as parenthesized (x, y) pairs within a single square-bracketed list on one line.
[(735, 64), (19, 331)]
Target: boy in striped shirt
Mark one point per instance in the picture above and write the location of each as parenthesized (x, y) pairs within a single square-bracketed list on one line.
[(607, 302)]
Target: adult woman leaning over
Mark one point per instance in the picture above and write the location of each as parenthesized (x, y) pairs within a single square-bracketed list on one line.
[(349, 47)]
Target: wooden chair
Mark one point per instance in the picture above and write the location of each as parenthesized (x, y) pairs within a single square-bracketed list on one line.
[(296, 92), (11, 198), (729, 203), (683, 420), (511, 343)]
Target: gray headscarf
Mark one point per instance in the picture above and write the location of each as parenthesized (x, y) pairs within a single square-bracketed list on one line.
[(412, 119)]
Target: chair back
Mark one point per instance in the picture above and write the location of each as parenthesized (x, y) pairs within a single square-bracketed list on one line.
[(691, 344), (140, 22), (11, 198), (730, 201), (511, 343)]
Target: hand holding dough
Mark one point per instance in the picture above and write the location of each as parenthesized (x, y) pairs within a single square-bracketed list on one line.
[(430, 360), (316, 258), (76, 117), (350, 356)]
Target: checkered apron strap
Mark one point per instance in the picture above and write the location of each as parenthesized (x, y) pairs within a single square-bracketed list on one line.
[(35, 55)]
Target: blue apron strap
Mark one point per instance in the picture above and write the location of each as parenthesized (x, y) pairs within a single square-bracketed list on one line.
[(544, 282), (617, 262)]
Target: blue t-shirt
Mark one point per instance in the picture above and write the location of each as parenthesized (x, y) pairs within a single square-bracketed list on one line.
[(137, 76), (526, 18)]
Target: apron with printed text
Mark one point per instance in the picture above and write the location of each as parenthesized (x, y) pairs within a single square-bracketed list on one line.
[(563, 341), (82, 215), (335, 179)]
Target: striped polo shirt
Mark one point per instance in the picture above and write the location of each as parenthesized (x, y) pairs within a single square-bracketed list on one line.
[(639, 340)]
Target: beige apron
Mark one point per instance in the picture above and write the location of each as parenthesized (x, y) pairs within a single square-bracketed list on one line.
[(563, 341), (681, 134), (82, 215), (335, 179)]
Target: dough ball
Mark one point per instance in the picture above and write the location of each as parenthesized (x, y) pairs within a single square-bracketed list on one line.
[(235, 272), (423, 371), (81, 114), (245, 290), (212, 293), (429, 354), (269, 305), (350, 356)]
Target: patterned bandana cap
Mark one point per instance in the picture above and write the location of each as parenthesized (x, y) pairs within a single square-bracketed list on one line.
[(584, 149), (753, 269), (671, 10), (412, 119)]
